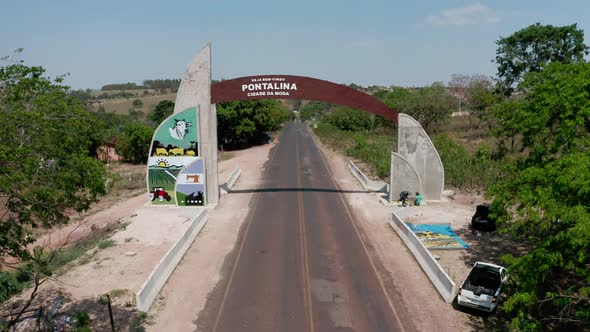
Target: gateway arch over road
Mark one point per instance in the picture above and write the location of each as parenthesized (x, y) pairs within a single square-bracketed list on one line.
[(300, 263), (420, 167), (297, 87)]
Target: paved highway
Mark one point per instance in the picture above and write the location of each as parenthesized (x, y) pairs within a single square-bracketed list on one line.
[(300, 263)]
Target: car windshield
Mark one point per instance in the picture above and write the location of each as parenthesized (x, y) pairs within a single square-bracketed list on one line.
[(483, 279)]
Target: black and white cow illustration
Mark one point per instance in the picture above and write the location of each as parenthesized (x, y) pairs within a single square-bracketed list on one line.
[(180, 129)]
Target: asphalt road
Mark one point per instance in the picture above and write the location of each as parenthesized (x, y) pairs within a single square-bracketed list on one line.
[(300, 263)]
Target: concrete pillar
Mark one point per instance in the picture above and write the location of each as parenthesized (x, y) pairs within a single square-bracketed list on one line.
[(208, 124), (419, 153), (195, 91)]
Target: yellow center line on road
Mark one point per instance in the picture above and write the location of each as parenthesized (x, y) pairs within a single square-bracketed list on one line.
[(307, 300), (249, 222)]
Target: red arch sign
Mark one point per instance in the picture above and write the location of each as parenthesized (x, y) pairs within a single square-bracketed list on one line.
[(297, 87)]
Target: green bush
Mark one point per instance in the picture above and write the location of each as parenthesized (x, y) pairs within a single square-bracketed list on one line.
[(465, 171), (105, 244), (313, 110), (134, 142), (82, 319), (9, 286), (137, 103), (334, 137), (376, 155), (349, 119), (373, 149)]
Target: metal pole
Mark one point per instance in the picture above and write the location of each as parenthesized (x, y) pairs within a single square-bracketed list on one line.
[(111, 313)]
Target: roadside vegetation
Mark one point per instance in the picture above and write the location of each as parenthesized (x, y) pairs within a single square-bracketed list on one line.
[(525, 144), (50, 172)]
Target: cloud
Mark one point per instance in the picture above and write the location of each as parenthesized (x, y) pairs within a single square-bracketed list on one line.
[(471, 14)]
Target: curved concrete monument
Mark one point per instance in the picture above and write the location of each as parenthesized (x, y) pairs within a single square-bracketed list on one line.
[(414, 145), (403, 177)]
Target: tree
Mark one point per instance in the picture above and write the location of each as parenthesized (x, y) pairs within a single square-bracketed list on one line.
[(313, 110), (163, 110), (475, 94), (545, 200), (248, 121), (45, 165), (346, 118), (133, 143), (137, 103), (553, 118), (394, 97), (82, 95), (431, 106), (530, 49)]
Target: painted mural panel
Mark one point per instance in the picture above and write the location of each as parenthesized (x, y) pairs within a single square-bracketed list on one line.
[(175, 145), (190, 185), (177, 136)]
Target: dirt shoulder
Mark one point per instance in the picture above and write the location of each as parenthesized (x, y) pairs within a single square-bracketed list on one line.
[(185, 294), (414, 290)]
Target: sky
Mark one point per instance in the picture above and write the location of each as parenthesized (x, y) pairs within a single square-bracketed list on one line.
[(370, 42)]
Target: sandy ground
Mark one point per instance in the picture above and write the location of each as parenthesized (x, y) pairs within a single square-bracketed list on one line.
[(185, 294), (137, 249)]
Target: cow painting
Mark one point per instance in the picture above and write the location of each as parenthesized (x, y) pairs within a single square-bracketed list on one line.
[(179, 129)]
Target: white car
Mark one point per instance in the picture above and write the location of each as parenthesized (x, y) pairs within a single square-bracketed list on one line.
[(481, 289)]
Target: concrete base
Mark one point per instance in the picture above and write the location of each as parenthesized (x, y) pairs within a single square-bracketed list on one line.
[(150, 289), (437, 275), (231, 180)]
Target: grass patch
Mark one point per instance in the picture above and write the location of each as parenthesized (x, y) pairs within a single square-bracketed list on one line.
[(226, 156), (128, 181), (372, 148), (64, 256), (335, 138), (123, 225), (141, 319), (117, 293), (105, 244), (85, 259)]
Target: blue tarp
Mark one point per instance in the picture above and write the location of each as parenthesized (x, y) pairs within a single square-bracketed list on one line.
[(437, 236)]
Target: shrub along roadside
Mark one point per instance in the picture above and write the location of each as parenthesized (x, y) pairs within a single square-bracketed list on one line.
[(467, 171), (463, 170), (372, 148)]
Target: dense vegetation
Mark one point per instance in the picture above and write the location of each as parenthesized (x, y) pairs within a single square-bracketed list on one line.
[(120, 86), (247, 122), (162, 84), (46, 169), (535, 119)]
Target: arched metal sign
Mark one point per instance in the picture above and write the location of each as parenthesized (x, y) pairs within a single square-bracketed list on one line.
[(297, 87)]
